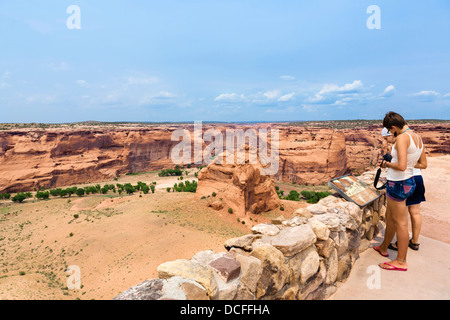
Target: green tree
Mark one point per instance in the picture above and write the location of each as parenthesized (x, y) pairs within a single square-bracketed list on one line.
[(80, 192), (42, 195), (19, 197)]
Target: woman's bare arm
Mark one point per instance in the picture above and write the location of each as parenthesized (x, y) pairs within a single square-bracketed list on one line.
[(422, 163)]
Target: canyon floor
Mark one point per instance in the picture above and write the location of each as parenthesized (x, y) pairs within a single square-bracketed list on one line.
[(118, 241)]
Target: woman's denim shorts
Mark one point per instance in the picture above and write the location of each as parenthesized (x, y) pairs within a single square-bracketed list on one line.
[(419, 192), (400, 190)]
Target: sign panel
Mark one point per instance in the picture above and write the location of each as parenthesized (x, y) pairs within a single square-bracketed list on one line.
[(354, 190)]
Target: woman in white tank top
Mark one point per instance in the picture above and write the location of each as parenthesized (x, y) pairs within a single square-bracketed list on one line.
[(406, 152)]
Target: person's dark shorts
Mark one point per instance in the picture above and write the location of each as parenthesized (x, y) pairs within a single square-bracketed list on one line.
[(418, 195), (400, 190)]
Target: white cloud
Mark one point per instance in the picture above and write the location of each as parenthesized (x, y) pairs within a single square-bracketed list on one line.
[(308, 107), (389, 91), (158, 98), (62, 66), (230, 97), (41, 98), (331, 93), (288, 78), (141, 80), (426, 95), (354, 87), (82, 83), (272, 94), (287, 97)]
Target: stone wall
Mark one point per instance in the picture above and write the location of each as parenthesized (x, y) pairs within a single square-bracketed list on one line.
[(304, 257)]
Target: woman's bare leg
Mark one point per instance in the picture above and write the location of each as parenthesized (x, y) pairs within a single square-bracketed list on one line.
[(389, 232), (416, 222), (400, 218)]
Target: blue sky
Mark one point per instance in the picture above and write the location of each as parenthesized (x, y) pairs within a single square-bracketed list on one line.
[(223, 60)]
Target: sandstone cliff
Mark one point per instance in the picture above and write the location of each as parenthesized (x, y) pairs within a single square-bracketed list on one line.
[(32, 160), (46, 158)]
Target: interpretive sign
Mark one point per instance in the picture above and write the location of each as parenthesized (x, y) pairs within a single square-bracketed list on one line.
[(354, 190)]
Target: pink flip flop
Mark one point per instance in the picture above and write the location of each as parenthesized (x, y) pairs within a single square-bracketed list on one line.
[(378, 250), (391, 267)]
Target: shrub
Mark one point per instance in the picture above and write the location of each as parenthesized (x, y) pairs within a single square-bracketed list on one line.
[(19, 197), (104, 190), (129, 188), (42, 195), (5, 195), (54, 192), (71, 190), (293, 195), (152, 187), (314, 197), (187, 186), (230, 210), (145, 189), (170, 172)]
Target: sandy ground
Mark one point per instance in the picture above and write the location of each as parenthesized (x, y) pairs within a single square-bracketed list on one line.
[(116, 241), (435, 211)]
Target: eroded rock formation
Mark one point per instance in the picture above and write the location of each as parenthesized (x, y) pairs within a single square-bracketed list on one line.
[(238, 186)]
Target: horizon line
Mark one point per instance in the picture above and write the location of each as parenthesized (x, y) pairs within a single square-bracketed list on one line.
[(210, 121)]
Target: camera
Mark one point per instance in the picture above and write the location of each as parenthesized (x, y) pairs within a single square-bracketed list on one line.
[(387, 157)]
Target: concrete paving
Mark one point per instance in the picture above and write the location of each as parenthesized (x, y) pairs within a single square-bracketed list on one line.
[(427, 278)]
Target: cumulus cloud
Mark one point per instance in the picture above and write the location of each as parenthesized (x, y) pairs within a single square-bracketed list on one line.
[(287, 78), (82, 83), (158, 98), (389, 91), (354, 87), (287, 97), (426, 95), (274, 94), (61, 66), (230, 97), (332, 93)]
